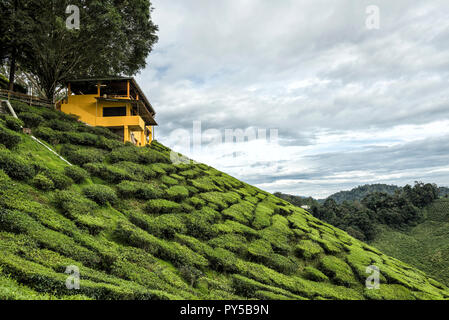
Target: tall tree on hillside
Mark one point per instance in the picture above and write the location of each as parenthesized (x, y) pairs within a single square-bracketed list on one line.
[(15, 27), (115, 38)]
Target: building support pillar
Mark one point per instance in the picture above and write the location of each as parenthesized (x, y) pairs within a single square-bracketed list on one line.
[(126, 137)]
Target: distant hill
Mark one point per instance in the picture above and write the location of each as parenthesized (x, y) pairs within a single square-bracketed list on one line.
[(360, 192), (137, 226)]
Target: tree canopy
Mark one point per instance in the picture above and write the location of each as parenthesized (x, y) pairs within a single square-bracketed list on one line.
[(115, 38)]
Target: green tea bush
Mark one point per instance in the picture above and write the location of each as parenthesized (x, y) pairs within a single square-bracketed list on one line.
[(314, 274), (177, 193), (148, 156), (13, 123), (108, 173), (338, 270), (233, 242), (205, 185), (31, 120), (15, 166), (308, 249), (178, 254), (162, 206), (139, 171), (197, 202), (60, 181), (47, 134), (137, 155), (199, 225), (41, 182), (59, 125), (128, 154), (241, 212), (101, 194), (77, 174), (169, 181), (260, 248), (9, 138), (49, 114), (138, 190), (262, 216), (73, 204), (80, 156), (81, 138), (164, 226), (20, 106), (223, 260)]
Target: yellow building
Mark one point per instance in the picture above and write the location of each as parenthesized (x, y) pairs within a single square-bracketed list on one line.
[(117, 103)]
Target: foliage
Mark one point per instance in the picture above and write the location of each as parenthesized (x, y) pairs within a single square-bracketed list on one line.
[(100, 194), (77, 174), (9, 138), (14, 123)]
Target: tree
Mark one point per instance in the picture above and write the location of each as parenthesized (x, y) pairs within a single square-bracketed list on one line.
[(115, 38), (15, 29)]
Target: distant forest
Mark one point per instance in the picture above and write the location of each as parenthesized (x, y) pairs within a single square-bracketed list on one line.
[(359, 210)]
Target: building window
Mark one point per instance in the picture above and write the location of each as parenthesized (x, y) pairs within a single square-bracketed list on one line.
[(114, 111)]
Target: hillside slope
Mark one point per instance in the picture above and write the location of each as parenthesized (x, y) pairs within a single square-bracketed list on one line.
[(425, 246), (139, 227)]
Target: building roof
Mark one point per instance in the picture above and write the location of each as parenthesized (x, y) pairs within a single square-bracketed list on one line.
[(118, 78)]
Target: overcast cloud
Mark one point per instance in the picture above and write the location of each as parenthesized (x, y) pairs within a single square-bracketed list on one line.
[(352, 105)]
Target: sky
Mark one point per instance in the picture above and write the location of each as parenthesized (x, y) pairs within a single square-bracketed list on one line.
[(329, 94)]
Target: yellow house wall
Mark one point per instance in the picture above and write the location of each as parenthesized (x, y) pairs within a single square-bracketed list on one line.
[(82, 106), (91, 112)]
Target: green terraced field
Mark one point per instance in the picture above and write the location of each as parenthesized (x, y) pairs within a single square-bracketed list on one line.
[(139, 227)]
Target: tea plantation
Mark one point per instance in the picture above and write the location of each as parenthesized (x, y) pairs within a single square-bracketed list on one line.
[(139, 227)]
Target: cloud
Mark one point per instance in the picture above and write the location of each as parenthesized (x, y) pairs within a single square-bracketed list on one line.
[(350, 104)]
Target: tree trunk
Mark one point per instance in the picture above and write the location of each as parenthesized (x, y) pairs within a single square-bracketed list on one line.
[(12, 70)]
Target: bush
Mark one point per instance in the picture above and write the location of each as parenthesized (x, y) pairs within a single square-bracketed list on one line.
[(177, 193), (162, 206), (31, 120), (197, 202), (139, 171), (42, 182), (82, 156), (46, 134), (308, 249), (14, 123), (15, 166), (205, 185), (59, 180), (59, 125), (77, 174), (128, 154), (73, 204), (9, 138), (138, 190), (314, 274), (169, 181), (338, 270), (100, 194), (81, 138), (109, 173)]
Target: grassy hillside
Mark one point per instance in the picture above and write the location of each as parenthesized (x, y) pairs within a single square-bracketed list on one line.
[(426, 245), (139, 227)]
